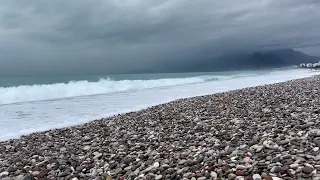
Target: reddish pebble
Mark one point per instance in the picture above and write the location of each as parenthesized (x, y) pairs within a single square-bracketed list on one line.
[(267, 177), (240, 173)]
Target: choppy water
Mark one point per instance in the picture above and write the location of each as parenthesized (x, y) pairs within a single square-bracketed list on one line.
[(29, 104)]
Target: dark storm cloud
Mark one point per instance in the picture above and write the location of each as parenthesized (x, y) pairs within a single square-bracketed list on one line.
[(127, 35)]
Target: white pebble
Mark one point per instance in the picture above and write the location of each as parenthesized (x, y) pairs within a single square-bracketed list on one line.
[(276, 178), (97, 156), (256, 177), (86, 148), (241, 167), (156, 164), (239, 178), (63, 149), (257, 147), (93, 172), (234, 159), (35, 173), (246, 159), (294, 166), (213, 175), (4, 174)]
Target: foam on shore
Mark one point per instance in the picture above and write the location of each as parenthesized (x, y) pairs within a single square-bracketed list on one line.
[(27, 117)]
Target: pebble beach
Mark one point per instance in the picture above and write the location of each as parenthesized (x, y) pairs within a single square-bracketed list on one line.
[(269, 132)]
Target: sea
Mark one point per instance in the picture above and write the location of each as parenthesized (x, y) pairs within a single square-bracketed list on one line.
[(32, 104)]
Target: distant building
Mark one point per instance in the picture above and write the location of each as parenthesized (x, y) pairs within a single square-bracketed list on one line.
[(316, 65), (302, 65), (309, 65)]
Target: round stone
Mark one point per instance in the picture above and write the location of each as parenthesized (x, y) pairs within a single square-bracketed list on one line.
[(12, 169), (256, 177), (307, 170), (240, 173), (35, 173), (232, 176), (275, 169), (294, 166), (156, 164), (213, 174), (86, 148)]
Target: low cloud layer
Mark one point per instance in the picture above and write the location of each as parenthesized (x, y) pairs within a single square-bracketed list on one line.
[(111, 36)]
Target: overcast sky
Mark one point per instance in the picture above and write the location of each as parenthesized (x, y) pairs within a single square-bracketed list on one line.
[(59, 36)]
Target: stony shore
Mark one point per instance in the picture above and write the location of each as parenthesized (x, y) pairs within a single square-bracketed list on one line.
[(266, 132)]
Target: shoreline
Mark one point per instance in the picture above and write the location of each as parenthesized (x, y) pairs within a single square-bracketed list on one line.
[(225, 134), (203, 89)]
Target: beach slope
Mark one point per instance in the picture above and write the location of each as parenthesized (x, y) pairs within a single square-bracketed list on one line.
[(258, 132)]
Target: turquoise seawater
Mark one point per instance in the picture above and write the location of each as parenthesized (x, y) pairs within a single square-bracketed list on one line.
[(19, 81)]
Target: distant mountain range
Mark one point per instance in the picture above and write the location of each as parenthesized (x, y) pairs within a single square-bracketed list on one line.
[(256, 60), (206, 62), (260, 59)]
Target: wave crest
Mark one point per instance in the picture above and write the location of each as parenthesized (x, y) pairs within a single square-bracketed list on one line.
[(40, 92)]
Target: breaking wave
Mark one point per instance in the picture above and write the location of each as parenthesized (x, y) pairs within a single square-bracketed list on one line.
[(39, 92)]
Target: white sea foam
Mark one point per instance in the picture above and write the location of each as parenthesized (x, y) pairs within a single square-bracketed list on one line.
[(38, 92)]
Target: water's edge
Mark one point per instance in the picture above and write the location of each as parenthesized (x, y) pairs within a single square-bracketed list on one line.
[(125, 111)]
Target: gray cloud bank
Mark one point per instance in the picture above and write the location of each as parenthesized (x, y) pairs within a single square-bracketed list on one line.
[(114, 36)]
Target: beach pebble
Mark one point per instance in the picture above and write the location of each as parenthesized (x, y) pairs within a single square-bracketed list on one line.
[(158, 177), (314, 132), (275, 136), (232, 176), (156, 164), (4, 174), (241, 167), (97, 156), (275, 169), (213, 175), (6, 178), (294, 166), (35, 173), (256, 177), (63, 149), (86, 148), (201, 178), (307, 170), (276, 178)]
